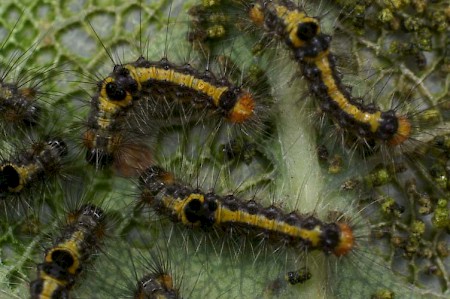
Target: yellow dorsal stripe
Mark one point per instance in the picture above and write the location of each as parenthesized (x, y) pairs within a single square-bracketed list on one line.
[(224, 215), (291, 20), (372, 119), (184, 80)]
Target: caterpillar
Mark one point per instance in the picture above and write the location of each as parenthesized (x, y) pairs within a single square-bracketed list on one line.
[(41, 161), (17, 105), (121, 89), (136, 98), (168, 202), (23, 92), (130, 83), (63, 263), (194, 208), (156, 285), (310, 48)]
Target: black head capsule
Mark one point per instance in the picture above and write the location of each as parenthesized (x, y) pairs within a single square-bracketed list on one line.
[(388, 125), (306, 31), (115, 92), (228, 100), (9, 178), (330, 237), (120, 84)]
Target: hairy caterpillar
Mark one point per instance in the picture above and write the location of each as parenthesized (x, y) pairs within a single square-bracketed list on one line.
[(140, 95), (36, 164), (310, 48), (207, 210), (129, 82), (24, 91), (64, 261)]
